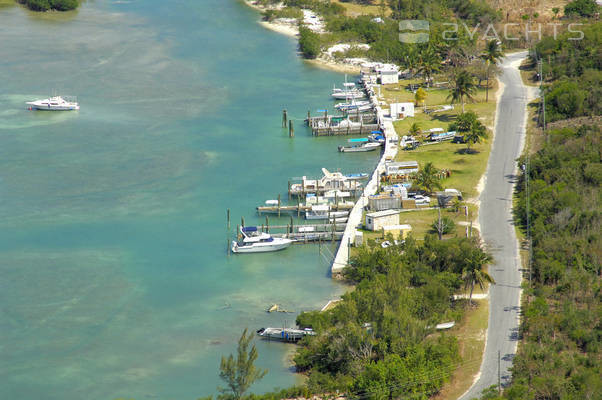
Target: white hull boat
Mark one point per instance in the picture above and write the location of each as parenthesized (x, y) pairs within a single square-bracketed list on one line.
[(56, 103), (254, 241), (344, 95), (330, 181), (370, 146)]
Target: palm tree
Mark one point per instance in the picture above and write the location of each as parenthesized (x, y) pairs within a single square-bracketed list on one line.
[(464, 88), (427, 178), (477, 132), (473, 273), (428, 64), (411, 60), (415, 129), (492, 56)]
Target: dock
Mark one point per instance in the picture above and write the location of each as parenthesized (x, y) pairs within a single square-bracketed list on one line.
[(341, 258), (305, 233), (300, 208), (349, 124), (284, 334)]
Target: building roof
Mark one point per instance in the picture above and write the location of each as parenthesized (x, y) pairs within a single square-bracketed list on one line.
[(384, 213)]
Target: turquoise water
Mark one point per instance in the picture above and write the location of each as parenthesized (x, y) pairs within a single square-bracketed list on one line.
[(114, 276)]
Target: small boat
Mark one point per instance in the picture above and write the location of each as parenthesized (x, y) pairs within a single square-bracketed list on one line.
[(357, 177), (354, 106), (347, 94), (377, 137), (56, 103), (254, 241), (271, 202), (323, 211), (363, 146)]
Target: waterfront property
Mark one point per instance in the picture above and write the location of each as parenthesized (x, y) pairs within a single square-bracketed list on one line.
[(379, 219)]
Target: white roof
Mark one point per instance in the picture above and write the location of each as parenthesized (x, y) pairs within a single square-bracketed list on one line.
[(384, 213), (433, 130), (403, 227)]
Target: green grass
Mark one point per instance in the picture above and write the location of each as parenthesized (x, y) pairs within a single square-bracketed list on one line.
[(353, 9), (466, 169), (7, 3), (471, 333)]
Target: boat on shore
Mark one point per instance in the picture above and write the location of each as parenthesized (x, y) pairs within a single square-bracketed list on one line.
[(56, 103), (363, 145), (255, 241)]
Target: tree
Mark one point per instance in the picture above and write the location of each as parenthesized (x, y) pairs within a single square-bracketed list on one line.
[(477, 132), (555, 10), (240, 373), (442, 225), (463, 88), (415, 129), (492, 56), (581, 8), (469, 125), (428, 64), (309, 43), (427, 178), (473, 273), (420, 97)]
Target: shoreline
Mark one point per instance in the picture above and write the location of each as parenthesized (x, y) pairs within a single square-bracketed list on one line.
[(293, 32)]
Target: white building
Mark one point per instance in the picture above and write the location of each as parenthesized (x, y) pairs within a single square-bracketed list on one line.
[(377, 220), (401, 167), (402, 110)]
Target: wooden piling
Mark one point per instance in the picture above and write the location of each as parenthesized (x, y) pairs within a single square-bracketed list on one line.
[(242, 221), (284, 118), (289, 190), (267, 224), (228, 218), (291, 129), (278, 205)]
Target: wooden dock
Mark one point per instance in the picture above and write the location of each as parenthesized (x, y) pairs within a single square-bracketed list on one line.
[(349, 124), (300, 208), (305, 233)]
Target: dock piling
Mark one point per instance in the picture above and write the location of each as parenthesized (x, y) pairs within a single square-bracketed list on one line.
[(284, 118), (291, 129), (278, 205)]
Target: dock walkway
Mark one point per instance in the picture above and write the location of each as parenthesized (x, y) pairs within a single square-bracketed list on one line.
[(341, 258)]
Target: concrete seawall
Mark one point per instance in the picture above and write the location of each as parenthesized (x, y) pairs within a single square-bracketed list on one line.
[(341, 258)]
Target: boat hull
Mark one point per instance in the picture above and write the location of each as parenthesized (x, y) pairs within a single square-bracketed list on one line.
[(261, 247), (54, 108), (357, 149)]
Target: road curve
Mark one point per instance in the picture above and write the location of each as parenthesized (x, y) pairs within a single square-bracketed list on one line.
[(497, 230)]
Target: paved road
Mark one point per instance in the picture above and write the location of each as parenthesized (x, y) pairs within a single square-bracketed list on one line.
[(498, 232)]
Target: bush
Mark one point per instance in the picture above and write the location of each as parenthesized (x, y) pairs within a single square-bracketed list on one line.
[(581, 8), (45, 5), (309, 43)]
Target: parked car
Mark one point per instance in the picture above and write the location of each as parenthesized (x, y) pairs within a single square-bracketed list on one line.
[(422, 200), (458, 139)]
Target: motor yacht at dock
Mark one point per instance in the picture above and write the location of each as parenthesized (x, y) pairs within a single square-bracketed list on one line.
[(255, 241)]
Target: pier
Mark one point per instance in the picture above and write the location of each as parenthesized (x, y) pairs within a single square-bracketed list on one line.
[(306, 233), (341, 258), (349, 124)]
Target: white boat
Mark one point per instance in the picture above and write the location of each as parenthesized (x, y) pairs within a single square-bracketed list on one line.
[(322, 211), (330, 181), (347, 94), (354, 106), (254, 241), (376, 137), (363, 146), (56, 103)]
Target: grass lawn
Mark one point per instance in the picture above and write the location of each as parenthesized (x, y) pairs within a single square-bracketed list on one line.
[(466, 169), (353, 9), (471, 334), (6, 3)]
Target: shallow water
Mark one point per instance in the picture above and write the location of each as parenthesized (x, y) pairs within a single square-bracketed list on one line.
[(114, 276)]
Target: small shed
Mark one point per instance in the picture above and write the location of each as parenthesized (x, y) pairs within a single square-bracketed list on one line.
[(398, 231), (401, 167), (385, 201), (402, 110), (388, 75), (376, 220)]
